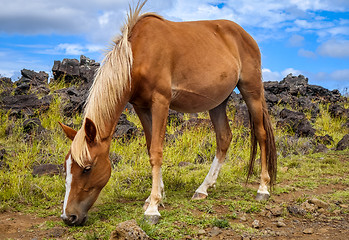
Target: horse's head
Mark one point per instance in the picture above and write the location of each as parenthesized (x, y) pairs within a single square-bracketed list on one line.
[(86, 175)]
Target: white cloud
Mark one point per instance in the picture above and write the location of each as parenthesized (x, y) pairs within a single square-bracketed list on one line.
[(334, 48), (340, 75), (100, 20), (6, 72), (96, 20), (313, 24), (294, 72), (341, 30), (268, 75), (338, 79), (306, 53), (296, 40), (70, 49), (314, 5)]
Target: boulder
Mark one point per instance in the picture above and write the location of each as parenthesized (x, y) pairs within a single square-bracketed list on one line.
[(242, 116), (73, 100), (32, 82), (295, 122), (128, 230), (337, 110), (23, 102), (326, 140), (75, 71), (320, 148), (33, 125), (296, 85), (47, 169), (343, 143), (6, 86), (274, 87), (5, 82), (125, 129)]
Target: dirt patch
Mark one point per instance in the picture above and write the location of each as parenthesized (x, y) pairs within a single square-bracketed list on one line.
[(15, 225), (282, 218)]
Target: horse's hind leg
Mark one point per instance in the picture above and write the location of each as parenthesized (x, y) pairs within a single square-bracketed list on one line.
[(223, 138), (253, 94)]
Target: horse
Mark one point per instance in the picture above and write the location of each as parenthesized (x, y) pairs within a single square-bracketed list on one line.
[(156, 64)]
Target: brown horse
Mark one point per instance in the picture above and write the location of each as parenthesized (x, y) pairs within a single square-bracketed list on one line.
[(157, 64)]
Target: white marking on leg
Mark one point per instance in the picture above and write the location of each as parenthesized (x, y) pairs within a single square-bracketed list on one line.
[(162, 188), (155, 197), (211, 177), (68, 181), (263, 189), (152, 210)]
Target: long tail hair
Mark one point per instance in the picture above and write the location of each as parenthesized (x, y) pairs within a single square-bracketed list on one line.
[(270, 147)]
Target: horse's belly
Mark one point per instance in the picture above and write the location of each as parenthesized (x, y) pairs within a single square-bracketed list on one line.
[(194, 101)]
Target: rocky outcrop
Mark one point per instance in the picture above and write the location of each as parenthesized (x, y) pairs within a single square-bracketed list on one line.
[(75, 71), (295, 122), (295, 91), (81, 74), (32, 83), (73, 100), (27, 95), (30, 96)]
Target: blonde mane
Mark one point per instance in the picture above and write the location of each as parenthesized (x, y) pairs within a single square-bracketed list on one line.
[(110, 82)]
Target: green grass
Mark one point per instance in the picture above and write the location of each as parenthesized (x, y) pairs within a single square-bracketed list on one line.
[(130, 182)]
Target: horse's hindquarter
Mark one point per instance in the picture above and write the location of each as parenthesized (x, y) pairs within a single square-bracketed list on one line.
[(198, 63)]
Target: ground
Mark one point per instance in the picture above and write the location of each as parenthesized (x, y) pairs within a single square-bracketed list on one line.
[(290, 214)]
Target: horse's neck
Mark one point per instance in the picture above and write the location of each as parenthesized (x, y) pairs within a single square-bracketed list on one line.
[(109, 128)]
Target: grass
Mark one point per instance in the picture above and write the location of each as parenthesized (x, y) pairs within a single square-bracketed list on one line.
[(130, 182)]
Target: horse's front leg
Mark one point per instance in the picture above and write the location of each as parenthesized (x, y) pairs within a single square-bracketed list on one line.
[(155, 136), (162, 189)]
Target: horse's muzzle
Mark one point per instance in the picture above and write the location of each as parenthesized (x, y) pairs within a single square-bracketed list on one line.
[(74, 220)]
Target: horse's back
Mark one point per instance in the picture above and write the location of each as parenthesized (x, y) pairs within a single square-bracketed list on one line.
[(199, 63)]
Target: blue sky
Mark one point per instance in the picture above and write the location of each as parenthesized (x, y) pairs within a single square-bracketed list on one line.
[(309, 37)]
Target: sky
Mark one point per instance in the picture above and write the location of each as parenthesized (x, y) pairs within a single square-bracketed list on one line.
[(308, 37)]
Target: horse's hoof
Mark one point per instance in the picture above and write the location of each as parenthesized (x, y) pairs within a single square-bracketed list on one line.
[(198, 196), (152, 219), (262, 197)]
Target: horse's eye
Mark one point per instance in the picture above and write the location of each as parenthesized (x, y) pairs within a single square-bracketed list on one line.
[(86, 169)]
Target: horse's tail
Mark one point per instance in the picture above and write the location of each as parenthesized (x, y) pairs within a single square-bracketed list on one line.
[(271, 153)]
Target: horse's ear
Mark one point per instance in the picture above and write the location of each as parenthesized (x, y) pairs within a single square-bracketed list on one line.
[(68, 131), (90, 130)]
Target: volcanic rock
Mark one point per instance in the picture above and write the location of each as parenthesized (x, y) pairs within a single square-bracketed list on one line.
[(75, 71), (295, 122), (125, 129), (32, 125), (128, 230), (343, 143), (47, 169)]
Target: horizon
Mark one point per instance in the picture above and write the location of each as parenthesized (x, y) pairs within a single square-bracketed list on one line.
[(310, 38)]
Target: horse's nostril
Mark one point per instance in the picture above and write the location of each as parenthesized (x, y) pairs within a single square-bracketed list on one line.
[(73, 219)]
